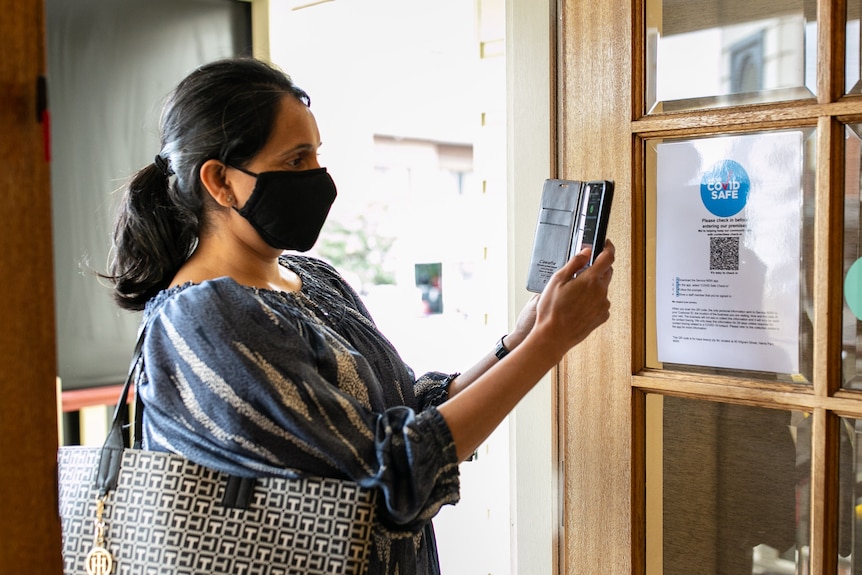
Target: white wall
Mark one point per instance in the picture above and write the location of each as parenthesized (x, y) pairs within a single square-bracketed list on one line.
[(534, 486)]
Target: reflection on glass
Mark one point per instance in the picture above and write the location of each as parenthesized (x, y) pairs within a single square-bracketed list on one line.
[(852, 330), (852, 47), (731, 492), (729, 52), (850, 497), (682, 175)]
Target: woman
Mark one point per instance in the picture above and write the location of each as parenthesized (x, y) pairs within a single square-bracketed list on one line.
[(259, 363)]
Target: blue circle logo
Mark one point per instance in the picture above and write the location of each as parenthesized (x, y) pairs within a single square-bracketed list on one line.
[(853, 288), (724, 188)]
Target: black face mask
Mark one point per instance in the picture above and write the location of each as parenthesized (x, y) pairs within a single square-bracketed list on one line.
[(288, 208)]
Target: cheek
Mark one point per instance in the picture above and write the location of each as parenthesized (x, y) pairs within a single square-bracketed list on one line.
[(241, 194)]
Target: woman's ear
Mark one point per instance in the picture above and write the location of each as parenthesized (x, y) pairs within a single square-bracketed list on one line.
[(215, 179)]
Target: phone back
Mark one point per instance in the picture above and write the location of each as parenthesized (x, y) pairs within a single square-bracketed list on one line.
[(554, 230)]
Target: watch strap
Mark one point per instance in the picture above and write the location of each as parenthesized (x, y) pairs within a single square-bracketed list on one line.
[(500, 351)]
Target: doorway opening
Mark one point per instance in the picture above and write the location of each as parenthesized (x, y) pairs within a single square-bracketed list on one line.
[(410, 100)]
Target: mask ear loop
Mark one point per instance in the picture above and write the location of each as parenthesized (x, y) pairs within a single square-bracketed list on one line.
[(243, 170)]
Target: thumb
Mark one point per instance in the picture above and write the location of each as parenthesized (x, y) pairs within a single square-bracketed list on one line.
[(578, 262)]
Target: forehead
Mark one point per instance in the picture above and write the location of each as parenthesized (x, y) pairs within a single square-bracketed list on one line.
[(294, 127)]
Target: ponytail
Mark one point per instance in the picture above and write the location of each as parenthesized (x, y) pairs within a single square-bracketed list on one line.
[(153, 237)]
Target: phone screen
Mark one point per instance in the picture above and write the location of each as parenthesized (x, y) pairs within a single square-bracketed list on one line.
[(593, 218)]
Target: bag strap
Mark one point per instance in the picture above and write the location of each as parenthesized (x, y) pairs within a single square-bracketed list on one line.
[(238, 490), (112, 449)]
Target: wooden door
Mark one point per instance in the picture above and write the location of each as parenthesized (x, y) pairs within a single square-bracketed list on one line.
[(614, 443)]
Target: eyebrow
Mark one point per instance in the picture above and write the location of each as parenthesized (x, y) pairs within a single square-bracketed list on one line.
[(299, 148)]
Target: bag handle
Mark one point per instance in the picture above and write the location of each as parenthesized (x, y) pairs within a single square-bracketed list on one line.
[(238, 490), (112, 450)]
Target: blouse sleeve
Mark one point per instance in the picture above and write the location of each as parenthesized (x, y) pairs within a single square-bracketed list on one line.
[(432, 388), (237, 385)]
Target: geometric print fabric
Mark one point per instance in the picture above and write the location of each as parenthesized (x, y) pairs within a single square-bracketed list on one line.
[(166, 517)]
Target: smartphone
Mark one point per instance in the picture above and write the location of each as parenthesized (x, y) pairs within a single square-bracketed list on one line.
[(591, 225), (572, 215)]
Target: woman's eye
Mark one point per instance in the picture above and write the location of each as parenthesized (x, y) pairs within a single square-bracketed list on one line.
[(302, 160)]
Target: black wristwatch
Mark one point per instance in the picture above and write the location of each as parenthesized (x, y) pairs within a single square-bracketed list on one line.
[(500, 351)]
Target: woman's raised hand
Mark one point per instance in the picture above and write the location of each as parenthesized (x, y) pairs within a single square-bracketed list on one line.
[(575, 301)]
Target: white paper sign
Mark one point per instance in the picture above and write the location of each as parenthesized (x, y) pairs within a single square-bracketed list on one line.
[(727, 251)]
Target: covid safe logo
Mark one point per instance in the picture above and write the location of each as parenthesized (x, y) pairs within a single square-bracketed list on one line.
[(724, 188)]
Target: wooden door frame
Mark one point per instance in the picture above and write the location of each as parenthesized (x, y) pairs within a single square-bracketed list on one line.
[(596, 403), (30, 525)]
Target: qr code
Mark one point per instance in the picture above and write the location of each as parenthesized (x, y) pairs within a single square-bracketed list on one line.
[(724, 254)]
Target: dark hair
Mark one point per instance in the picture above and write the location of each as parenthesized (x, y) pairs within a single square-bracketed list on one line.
[(224, 110)]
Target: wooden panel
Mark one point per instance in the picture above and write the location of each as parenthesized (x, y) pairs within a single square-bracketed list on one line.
[(594, 141), (824, 493), (29, 528)]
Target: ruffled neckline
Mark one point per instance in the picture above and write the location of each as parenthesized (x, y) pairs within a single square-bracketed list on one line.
[(315, 292), (167, 293)]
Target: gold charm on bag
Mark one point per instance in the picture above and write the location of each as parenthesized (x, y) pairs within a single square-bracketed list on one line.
[(99, 559)]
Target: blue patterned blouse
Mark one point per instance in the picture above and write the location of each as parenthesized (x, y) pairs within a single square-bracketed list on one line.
[(257, 382)]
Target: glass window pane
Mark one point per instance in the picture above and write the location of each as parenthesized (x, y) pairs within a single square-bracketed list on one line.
[(852, 334), (850, 496), (729, 247), (727, 488), (852, 47), (722, 53)]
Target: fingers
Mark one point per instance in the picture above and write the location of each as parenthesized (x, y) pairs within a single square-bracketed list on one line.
[(578, 262), (605, 260), (601, 268)]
